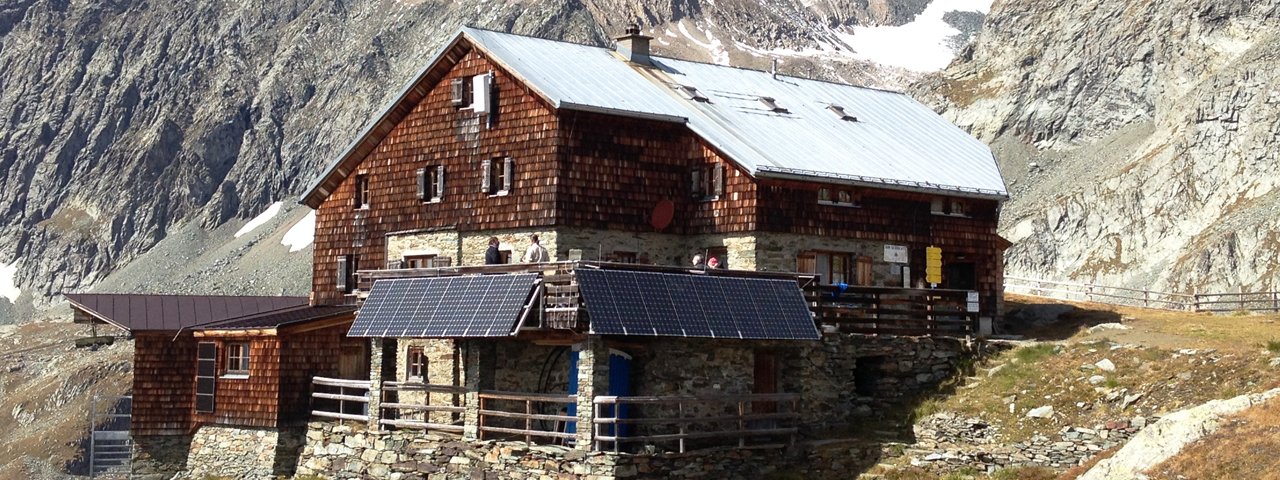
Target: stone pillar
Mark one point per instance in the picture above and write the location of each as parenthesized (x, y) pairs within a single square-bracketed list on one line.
[(375, 383), (477, 374), (593, 379)]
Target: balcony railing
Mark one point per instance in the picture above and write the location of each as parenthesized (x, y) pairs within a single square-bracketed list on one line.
[(856, 309), (525, 415)]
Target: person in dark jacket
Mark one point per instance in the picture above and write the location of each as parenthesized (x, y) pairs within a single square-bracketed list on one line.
[(491, 256)]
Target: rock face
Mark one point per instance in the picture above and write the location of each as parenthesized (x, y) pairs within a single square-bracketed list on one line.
[(1138, 138), (1165, 438), (122, 121)]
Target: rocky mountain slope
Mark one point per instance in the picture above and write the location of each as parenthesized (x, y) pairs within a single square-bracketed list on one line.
[(126, 123), (1139, 138)]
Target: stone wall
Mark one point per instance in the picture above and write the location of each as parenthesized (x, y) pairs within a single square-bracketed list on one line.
[(835, 389), (778, 251), (242, 452), (349, 451), (442, 369), (159, 456), (946, 442)]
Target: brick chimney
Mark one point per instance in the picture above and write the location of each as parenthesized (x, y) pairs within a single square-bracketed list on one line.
[(633, 46)]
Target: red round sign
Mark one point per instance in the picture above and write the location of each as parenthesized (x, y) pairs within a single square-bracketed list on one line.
[(663, 212)]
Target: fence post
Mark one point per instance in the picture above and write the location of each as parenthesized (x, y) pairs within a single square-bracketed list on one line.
[(1275, 301), (375, 384)]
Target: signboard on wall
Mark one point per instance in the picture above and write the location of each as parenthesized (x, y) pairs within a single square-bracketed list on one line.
[(895, 253), (972, 302)]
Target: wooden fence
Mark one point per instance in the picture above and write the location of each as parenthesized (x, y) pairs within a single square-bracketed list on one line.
[(895, 311), (1194, 302), (681, 419), (343, 400), (525, 415), (425, 414)]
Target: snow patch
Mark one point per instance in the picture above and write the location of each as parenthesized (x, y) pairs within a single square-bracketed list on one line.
[(920, 45), (9, 289), (260, 219), (301, 234), (719, 55)]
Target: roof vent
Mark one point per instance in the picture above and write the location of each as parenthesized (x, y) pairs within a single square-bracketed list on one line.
[(771, 104), (691, 92), (839, 111), (633, 46)]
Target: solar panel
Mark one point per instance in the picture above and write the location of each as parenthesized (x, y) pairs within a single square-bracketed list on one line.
[(622, 302), (444, 307)]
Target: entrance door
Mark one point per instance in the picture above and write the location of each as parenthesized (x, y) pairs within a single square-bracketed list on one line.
[(353, 363), (959, 276), (765, 381)]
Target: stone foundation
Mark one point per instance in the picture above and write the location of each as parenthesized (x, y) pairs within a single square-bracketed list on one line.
[(349, 451), (159, 456), (243, 452)]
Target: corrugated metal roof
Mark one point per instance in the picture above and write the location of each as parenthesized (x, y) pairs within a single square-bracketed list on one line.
[(174, 312), (896, 141)]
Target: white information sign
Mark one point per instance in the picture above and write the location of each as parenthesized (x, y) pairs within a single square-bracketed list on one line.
[(972, 301), (895, 253)]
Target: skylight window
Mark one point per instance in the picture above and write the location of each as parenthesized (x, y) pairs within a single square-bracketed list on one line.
[(839, 111), (771, 104), (690, 92)]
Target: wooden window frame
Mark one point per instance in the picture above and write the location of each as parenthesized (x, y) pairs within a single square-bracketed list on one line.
[(237, 356), (460, 92), (498, 174), (706, 182), (431, 183), (840, 197), (951, 207), (347, 279), (416, 363), (360, 199), (846, 265), (425, 261)]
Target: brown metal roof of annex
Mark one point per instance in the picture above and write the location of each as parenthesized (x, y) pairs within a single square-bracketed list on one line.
[(158, 313)]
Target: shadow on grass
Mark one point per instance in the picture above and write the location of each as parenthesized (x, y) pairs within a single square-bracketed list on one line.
[(1047, 320)]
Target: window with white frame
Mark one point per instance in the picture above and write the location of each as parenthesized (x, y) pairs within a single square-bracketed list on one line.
[(237, 358), (417, 363)]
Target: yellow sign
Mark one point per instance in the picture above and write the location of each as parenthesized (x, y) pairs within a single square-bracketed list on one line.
[(933, 265)]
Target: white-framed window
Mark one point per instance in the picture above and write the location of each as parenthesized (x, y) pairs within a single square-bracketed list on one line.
[(361, 197), (237, 359), (840, 197), (431, 183), (498, 176), (949, 206)]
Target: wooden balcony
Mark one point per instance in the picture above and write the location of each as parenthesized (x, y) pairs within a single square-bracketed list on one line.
[(849, 309)]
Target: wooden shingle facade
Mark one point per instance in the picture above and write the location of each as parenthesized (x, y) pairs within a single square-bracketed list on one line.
[(575, 169)]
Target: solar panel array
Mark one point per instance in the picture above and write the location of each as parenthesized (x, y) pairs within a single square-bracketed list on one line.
[(444, 307), (682, 305)]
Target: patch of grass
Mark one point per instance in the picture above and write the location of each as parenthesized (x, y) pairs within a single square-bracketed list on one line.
[(1035, 353), (964, 473), (1024, 473), (909, 473), (1111, 382), (1246, 446), (1273, 346)]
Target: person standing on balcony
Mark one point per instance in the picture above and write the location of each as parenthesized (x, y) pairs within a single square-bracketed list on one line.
[(535, 253), (697, 261), (492, 256)]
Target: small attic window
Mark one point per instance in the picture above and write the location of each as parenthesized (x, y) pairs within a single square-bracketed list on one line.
[(839, 111), (771, 104), (690, 92)]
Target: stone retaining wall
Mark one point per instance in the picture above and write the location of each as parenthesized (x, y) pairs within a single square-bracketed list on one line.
[(242, 452), (350, 451), (945, 443), (158, 457)]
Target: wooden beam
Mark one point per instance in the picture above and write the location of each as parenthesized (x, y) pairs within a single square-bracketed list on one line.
[(251, 332)]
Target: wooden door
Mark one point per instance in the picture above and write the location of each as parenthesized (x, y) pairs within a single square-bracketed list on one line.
[(766, 380)]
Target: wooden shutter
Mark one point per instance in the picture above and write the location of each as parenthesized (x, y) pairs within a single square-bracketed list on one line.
[(695, 183), (441, 261), (422, 183), (717, 180), (508, 167), (458, 87), (439, 181), (206, 376), (485, 182), (343, 270), (395, 264)]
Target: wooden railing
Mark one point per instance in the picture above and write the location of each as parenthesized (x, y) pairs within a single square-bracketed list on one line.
[(1196, 302), (894, 311), (1089, 292), (681, 419), (525, 415), (424, 414), (1238, 302), (351, 396)]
